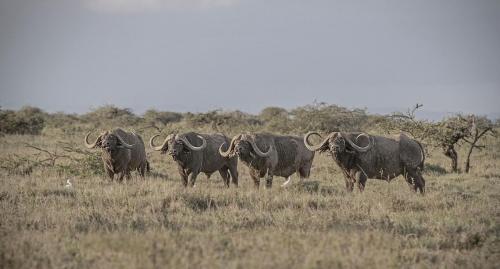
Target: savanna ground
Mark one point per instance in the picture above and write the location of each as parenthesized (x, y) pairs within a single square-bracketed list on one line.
[(157, 223)]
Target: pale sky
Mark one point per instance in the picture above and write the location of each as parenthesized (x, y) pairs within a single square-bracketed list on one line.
[(198, 55)]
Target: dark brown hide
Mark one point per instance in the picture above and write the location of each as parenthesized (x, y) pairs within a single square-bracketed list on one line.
[(271, 155), (121, 153), (191, 162), (385, 158)]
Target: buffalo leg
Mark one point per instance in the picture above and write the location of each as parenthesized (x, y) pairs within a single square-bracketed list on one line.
[(110, 173), (192, 178), (422, 180), (421, 186), (410, 180), (234, 175), (121, 175), (350, 180), (361, 178), (349, 185), (184, 176), (225, 175), (269, 179), (256, 179), (417, 179), (142, 170), (304, 171), (419, 182)]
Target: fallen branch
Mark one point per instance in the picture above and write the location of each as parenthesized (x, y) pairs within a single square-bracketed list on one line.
[(51, 158)]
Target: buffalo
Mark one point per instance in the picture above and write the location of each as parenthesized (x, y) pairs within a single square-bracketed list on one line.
[(195, 153), (271, 155), (362, 156), (122, 152)]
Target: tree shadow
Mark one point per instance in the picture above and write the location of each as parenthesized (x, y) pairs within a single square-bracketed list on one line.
[(434, 169)]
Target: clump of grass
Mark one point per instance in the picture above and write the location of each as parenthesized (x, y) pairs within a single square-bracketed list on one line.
[(17, 165)]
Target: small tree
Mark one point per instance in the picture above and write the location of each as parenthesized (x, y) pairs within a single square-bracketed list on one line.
[(327, 118), (446, 134), (407, 122), (450, 133), (480, 127)]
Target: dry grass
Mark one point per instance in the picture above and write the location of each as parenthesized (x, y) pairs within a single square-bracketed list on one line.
[(157, 223)]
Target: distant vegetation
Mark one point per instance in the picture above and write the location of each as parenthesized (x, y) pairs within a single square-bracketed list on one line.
[(28, 120), (447, 135)]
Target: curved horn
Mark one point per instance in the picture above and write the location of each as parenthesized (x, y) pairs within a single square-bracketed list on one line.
[(362, 134), (257, 150), (87, 144), (318, 146), (230, 149), (356, 147), (160, 147), (125, 144), (189, 145)]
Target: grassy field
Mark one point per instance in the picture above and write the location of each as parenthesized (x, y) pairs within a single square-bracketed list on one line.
[(157, 223)]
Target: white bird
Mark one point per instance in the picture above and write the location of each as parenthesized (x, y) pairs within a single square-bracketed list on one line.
[(68, 184)]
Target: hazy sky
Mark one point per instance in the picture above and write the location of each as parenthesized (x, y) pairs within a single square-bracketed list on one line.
[(197, 55)]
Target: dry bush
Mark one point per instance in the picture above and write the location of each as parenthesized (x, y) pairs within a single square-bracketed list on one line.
[(110, 115), (327, 118), (448, 135), (159, 119), (220, 121), (66, 159)]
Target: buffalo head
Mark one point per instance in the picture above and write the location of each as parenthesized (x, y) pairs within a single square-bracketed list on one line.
[(244, 145), (176, 145), (109, 142)]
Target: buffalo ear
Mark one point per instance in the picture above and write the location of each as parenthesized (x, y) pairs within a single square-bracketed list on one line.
[(99, 142)]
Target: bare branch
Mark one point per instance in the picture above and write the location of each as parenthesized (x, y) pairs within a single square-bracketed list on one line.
[(484, 132), (401, 116), (417, 106), (51, 158)]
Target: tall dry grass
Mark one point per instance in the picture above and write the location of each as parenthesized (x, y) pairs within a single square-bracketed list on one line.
[(157, 223)]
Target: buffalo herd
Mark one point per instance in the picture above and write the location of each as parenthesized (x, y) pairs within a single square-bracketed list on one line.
[(359, 155)]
